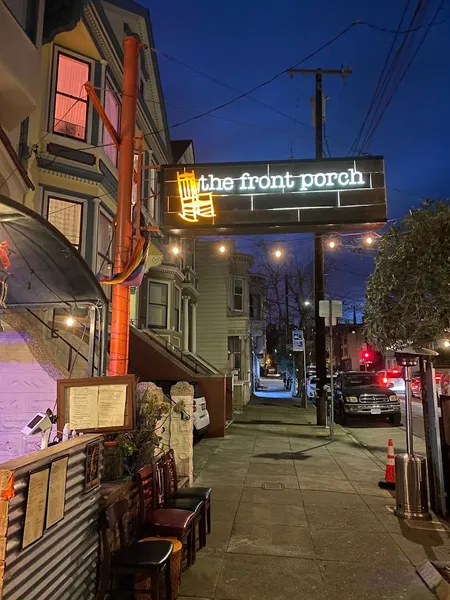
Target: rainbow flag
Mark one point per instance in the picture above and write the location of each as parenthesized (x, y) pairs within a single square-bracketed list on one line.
[(134, 272)]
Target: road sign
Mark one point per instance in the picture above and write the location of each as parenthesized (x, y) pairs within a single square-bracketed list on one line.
[(336, 308), (298, 341)]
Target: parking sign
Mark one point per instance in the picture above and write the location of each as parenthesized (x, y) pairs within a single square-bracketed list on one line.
[(298, 341)]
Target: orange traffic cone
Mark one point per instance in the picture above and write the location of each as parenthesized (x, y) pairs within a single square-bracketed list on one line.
[(389, 476)]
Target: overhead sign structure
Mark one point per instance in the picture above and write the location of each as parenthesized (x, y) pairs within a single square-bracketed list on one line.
[(298, 341), (301, 195)]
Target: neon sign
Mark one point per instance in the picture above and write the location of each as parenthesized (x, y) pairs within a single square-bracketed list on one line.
[(256, 197), (304, 182), (193, 203)]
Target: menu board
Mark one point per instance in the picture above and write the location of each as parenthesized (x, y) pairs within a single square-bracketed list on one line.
[(97, 403), (36, 505), (56, 491)]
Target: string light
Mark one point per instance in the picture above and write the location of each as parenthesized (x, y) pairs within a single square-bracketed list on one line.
[(70, 321), (175, 250), (369, 240), (278, 253), (447, 343), (222, 249), (332, 244)]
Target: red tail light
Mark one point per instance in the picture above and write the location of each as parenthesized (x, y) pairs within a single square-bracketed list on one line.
[(385, 379)]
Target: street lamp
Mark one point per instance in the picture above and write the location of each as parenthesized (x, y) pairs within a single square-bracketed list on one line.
[(307, 303), (278, 253)]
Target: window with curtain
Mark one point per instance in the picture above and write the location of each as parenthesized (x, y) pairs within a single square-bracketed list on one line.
[(238, 294), (112, 109), (176, 307), (105, 250), (158, 297), (71, 102), (67, 216)]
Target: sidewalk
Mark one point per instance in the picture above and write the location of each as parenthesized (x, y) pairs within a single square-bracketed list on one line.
[(296, 517)]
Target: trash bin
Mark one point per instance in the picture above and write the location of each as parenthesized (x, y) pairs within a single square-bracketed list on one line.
[(144, 583), (411, 487)]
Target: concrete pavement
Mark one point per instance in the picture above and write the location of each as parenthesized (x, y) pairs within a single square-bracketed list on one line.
[(295, 516)]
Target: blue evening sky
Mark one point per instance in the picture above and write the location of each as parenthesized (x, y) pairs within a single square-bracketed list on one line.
[(242, 43)]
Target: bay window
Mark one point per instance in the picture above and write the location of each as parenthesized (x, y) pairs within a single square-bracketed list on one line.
[(158, 299), (71, 102), (238, 294), (112, 110), (105, 250), (67, 216)]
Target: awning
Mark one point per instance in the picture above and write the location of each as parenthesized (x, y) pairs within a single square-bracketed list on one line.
[(46, 269)]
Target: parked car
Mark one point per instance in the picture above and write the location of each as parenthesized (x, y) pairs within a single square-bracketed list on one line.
[(393, 379), (359, 393), (200, 414), (416, 385)]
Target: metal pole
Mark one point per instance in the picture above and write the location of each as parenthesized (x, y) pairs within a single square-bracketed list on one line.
[(91, 346), (304, 374), (319, 283), (331, 374), (408, 411), (120, 324), (104, 314)]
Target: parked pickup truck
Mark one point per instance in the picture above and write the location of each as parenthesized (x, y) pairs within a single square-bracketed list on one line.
[(359, 393)]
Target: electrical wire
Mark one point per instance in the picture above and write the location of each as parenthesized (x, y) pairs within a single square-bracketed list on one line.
[(375, 126)]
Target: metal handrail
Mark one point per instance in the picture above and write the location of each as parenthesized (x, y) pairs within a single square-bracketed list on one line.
[(56, 334)]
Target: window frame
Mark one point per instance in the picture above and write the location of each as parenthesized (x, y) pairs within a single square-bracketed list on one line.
[(167, 306), (252, 306), (109, 260), (235, 279), (177, 309), (109, 83), (50, 195), (52, 94)]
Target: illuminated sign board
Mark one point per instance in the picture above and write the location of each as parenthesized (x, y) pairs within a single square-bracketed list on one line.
[(302, 195)]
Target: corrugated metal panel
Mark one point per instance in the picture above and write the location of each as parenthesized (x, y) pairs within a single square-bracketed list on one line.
[(63, 563)]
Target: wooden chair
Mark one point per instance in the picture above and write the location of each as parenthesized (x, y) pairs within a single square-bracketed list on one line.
[(143, 558), (187, 492), (165, 522), (165, 500)]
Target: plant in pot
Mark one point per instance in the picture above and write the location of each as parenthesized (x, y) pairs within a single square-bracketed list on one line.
[(152, 407)]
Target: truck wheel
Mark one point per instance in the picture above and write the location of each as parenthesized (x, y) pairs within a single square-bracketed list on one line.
[(396, 419)]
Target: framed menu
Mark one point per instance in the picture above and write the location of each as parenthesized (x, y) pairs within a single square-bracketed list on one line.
[(97, 404), (56, 491), (36, 506)]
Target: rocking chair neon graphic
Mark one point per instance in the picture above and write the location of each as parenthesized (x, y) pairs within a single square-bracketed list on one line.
[(193, 203)]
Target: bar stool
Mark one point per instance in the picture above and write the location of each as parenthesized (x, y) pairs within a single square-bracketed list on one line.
[(151, 558), (165, 500), (187, 492), (164, 522)]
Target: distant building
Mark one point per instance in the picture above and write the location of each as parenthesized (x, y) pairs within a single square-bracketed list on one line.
[(351, 350), (224, 325)]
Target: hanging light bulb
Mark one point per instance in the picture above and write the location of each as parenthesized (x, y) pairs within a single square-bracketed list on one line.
[(278, 253), (332, 244), (222, 249), (70, 321), (369, 240), (175, 250)]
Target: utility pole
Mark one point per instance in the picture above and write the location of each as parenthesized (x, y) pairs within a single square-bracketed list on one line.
[(124, 141), (319, 282)]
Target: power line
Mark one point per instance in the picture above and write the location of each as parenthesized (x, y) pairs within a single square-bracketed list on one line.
[(372, 131)]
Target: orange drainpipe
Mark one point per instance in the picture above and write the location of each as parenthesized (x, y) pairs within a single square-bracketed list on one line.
[(120, 323)]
